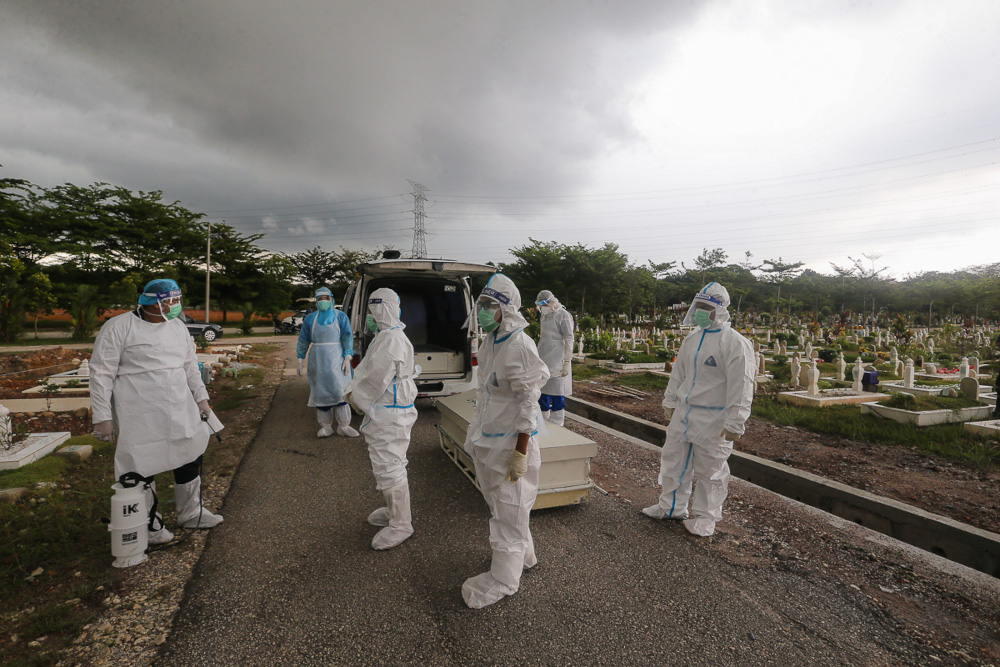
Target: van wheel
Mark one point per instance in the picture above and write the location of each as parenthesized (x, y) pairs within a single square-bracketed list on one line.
[(209, 335)]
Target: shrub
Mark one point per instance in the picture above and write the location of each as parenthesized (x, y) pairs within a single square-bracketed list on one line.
[(828, 355), (944, 357), (247, 311), (586, 323)]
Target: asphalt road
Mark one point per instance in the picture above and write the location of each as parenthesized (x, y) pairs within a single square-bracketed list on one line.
[(290, 578)]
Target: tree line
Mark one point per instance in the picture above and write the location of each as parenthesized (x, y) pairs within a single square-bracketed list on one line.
[(90, 249)]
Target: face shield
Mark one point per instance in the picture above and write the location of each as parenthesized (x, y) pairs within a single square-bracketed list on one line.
[(324, 299), (708, 308), (488, 311), (546, 302), (169, 304)]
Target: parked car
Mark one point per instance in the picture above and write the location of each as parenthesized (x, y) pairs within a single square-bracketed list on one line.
[(195, 328), (437, 304)]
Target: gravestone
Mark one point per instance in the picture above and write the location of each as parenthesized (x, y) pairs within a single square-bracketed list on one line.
[(841, 367), (796, 370), (761, 364), (897, 368), (84, 370), (963, 368), (813, 386), (919, 361), (859, 371), (4, 424), (908, 373), (784, 348), (969, 388)]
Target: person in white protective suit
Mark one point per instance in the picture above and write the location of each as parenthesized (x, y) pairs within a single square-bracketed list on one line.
[(555, 347), (502, 439), (707, 402), (327, 338), (383, 389), (147, 396)]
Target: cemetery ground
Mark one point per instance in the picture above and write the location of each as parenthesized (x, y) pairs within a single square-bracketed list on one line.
[(60, 599), (942, 469), (62, 603)]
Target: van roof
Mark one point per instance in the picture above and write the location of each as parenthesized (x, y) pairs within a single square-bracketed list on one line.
[(443, 267)]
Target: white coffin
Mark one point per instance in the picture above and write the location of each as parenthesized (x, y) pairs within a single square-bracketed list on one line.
[(565, 475)]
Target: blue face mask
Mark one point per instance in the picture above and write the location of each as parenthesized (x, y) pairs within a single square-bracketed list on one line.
[(324, 305), (703, 318)]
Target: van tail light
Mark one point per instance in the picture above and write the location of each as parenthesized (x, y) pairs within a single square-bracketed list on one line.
[(475, 359), (355, 360)]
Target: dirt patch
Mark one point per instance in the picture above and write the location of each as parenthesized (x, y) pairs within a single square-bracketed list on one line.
[(927, 481), (48, 360), (955, 621)]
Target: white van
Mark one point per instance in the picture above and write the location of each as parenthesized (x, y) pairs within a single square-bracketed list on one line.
[(437, 304)]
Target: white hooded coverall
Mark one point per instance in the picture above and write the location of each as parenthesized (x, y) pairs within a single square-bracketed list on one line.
[(555, 346), (510, 378), (384, 390), (710, 389)]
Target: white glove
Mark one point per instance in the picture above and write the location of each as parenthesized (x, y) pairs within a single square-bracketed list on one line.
[(346, 366), (729, 435), (516, 466), (567, 367), (104, 431), (668, 413), (204, 409), (301, 362)]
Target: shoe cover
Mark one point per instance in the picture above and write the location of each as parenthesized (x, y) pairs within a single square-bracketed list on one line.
[(344, 422), (161, 536), (558, 417), (483, 590), (325, 419), (547, 415), (700, 526), (379, 517), (657, 512), (190, 512), (530, 560), (397, 500)]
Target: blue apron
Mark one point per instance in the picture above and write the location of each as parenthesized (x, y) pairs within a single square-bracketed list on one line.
[(327, 380)]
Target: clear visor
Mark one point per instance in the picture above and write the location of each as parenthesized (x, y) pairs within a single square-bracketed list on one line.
[(171, 301), (543, 302), (487, 303), (703, 303), (324, 297)]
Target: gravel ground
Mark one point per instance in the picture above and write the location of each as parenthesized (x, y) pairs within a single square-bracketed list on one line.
[(950, 610)]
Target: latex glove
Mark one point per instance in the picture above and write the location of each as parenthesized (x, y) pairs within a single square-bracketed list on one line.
[(516, 466), (729, 435), (346, 366), (301, 363), (203, 409), (668, 413), (104, 431), (567, 367)]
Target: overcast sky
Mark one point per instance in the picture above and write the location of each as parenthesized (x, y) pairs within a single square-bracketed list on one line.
[(812, 131)]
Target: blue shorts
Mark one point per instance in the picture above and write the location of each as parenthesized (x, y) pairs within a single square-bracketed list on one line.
[(552, 402)]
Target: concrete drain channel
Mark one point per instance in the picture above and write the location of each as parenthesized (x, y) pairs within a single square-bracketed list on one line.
[(956, 541)]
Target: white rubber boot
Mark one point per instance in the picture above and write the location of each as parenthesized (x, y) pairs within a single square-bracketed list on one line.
[(190, 512), (344, 421), (379, 517), (325, 419), (397, 500), (558, 417)]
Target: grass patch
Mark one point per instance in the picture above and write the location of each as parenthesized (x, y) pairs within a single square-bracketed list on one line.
[(584, 372), (234, 392), (921, 403), (48, 341), (61, 533), (950, 441), (643, 381)]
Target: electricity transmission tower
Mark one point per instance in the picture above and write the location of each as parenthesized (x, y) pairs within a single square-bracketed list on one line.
[(419, 235)]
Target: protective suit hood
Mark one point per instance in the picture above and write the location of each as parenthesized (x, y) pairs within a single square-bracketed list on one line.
[(155, 290), (501, 289), (547, 298), (383, 304), (716, 297)]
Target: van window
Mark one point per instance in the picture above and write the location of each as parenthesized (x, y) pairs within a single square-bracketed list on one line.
[(434, 312)]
